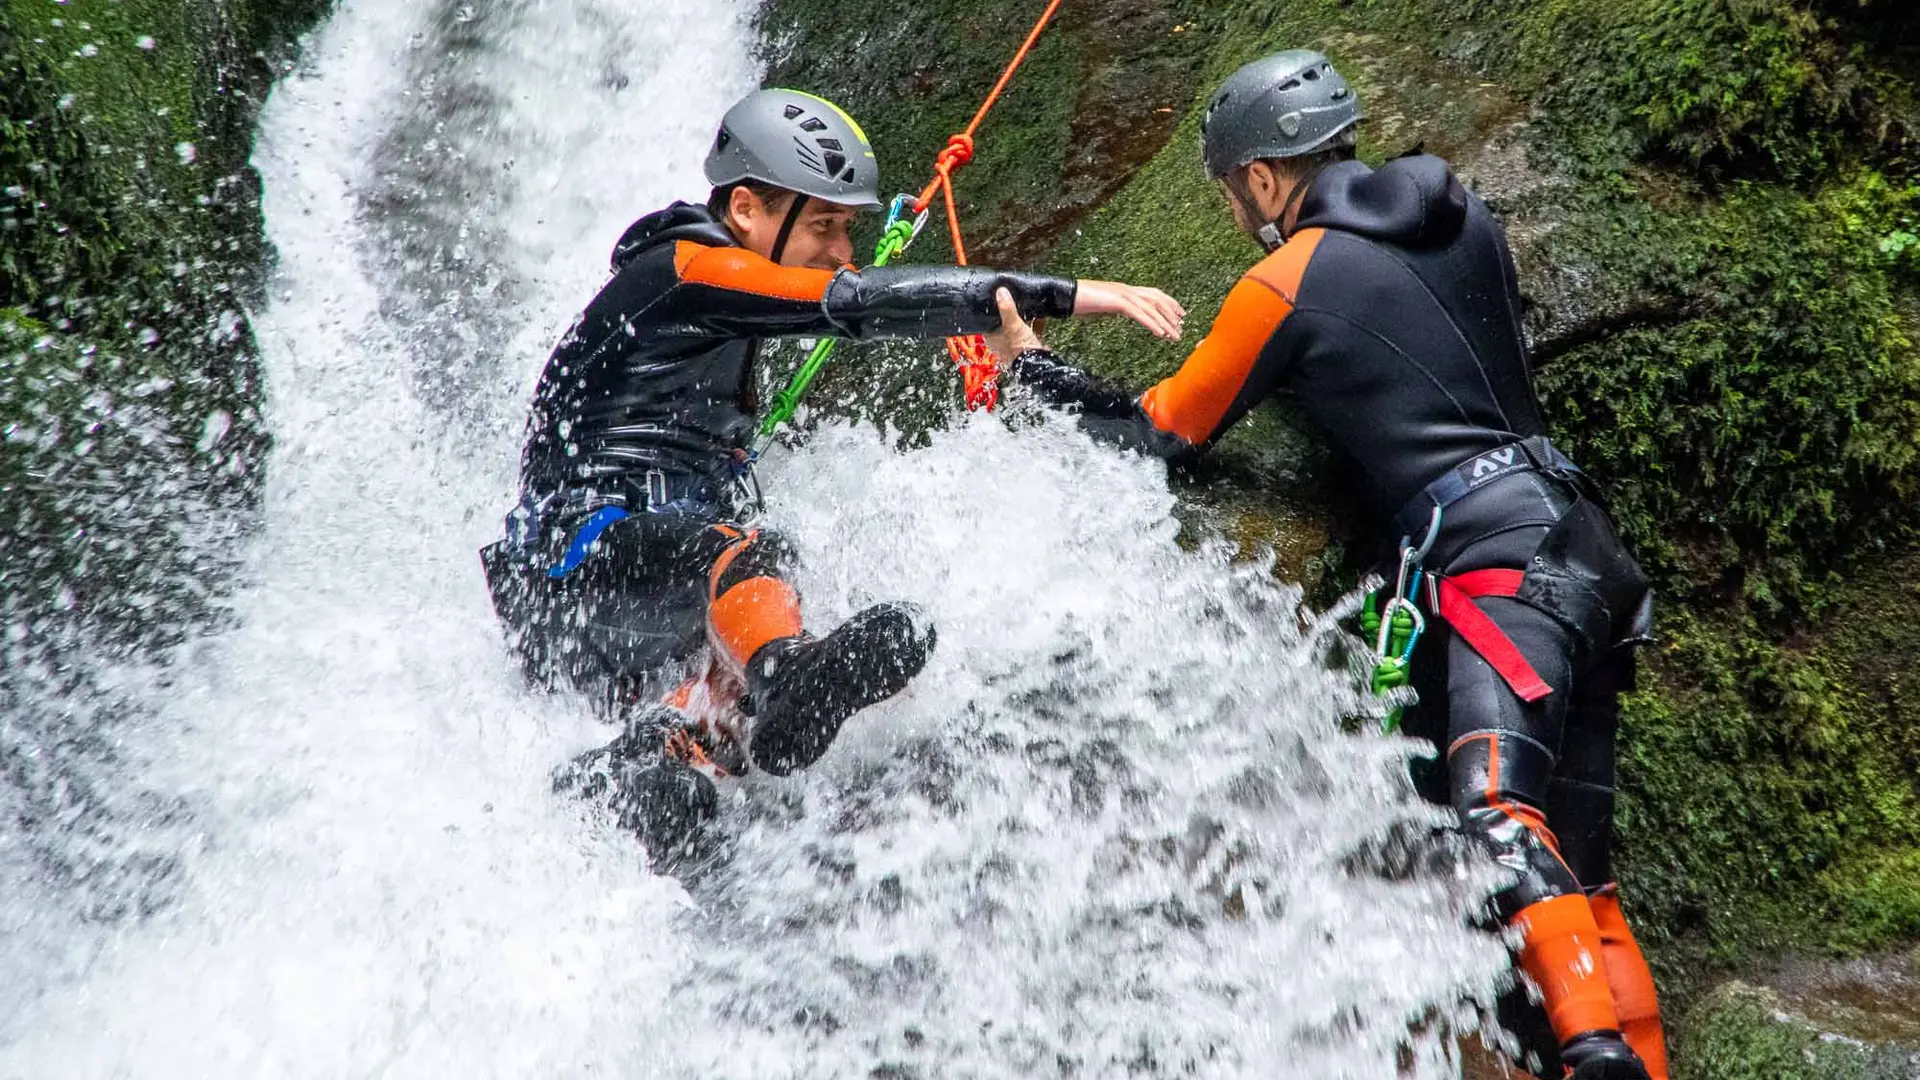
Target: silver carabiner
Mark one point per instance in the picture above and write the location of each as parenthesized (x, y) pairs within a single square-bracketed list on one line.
[(1411, 559), (1386, 623), (1426, 545), (901, 203)]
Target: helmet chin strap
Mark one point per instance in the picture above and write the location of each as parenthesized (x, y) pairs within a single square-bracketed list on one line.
[(786, 227)]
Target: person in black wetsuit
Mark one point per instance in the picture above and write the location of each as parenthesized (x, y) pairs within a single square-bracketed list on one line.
[(625, 555), (1388, 307)]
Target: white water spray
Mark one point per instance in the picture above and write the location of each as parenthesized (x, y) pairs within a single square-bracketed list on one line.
[(1113, 828)]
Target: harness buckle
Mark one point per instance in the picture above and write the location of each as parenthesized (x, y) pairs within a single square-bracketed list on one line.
[(657, 496)]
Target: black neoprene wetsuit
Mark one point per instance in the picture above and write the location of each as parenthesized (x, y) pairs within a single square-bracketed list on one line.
[(658, 372)]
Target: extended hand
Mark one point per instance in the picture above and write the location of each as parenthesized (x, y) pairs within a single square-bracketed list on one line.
[(1151, 308), (1014, 336)]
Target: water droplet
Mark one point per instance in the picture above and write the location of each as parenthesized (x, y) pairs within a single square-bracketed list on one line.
[(187, 152), (219, 422)]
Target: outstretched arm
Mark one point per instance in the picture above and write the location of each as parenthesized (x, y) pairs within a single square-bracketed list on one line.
[(733, 292), (1233, 370)]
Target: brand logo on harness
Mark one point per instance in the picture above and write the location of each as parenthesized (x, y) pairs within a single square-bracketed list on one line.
[(1491, 464)]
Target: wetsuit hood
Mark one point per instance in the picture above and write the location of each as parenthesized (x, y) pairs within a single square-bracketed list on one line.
[(681, 221), (1412, 202)]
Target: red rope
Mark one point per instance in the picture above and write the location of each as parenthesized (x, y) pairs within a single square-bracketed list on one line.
[(979, 368)]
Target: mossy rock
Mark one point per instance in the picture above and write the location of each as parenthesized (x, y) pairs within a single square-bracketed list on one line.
[(1747, 1032)]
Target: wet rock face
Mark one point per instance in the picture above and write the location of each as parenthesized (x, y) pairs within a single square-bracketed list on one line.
[(1096, 100), (1853, 1019), (1874, 1000), (1137, 77)]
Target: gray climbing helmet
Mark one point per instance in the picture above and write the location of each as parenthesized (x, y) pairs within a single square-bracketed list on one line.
[(1284, 105), (798, 142)]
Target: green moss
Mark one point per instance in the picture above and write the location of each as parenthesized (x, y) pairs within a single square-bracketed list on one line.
[(1752, 444), (1739, 1035), (1753, 773), (1877, 897), (131, 244)]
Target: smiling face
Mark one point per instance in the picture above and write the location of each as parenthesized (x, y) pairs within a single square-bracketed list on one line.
[(820, 239)]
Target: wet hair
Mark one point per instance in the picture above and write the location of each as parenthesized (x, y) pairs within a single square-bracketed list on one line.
[(774, 196)]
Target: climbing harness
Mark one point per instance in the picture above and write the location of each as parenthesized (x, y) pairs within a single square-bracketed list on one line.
[(1397, 626), (979, 368)]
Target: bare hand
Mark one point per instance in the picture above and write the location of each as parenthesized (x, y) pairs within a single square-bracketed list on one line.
[(1151, 308), (1014, 336)]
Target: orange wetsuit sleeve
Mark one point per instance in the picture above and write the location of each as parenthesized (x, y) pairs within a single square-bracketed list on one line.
[(1233, 369), (732, 292), (1236, 367)]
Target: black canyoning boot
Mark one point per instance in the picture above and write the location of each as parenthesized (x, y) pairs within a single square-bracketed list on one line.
[(1602, 1055), (666, 803), (800, 690)]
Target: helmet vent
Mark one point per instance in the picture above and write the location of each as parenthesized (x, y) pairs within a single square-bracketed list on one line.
[(809, 157), (793, 111), (1290, 84), (835, 162), (722, 140), (848, 176), (829, 144), (813, 123)]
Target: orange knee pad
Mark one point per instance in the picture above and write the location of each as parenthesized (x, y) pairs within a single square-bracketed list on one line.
[(1561, 950), (749, 613)]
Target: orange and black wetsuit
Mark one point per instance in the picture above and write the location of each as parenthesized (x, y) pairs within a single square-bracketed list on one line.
[(657, 375), (1393, 317), (621, 559)]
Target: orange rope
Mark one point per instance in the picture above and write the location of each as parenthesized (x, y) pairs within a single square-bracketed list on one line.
[(978, 366)]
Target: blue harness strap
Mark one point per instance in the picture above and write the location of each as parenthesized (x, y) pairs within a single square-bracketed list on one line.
[(583, 539)]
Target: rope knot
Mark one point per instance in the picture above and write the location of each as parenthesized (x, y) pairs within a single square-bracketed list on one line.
[(957, 152)]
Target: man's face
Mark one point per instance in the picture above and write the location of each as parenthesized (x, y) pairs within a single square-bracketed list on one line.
[(819, 239), (1241, 217), (1257, 194)]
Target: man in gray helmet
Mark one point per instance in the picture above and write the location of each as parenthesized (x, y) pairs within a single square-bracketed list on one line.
[(625, 555), (1387, 305)]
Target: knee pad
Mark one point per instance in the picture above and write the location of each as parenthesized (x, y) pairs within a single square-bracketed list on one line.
[(1497, 781), (761, 553)]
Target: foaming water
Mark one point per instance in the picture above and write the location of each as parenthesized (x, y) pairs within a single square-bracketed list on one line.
[(1113, 828)]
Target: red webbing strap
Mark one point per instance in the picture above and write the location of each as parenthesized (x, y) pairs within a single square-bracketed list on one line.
[(1484, 635)]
